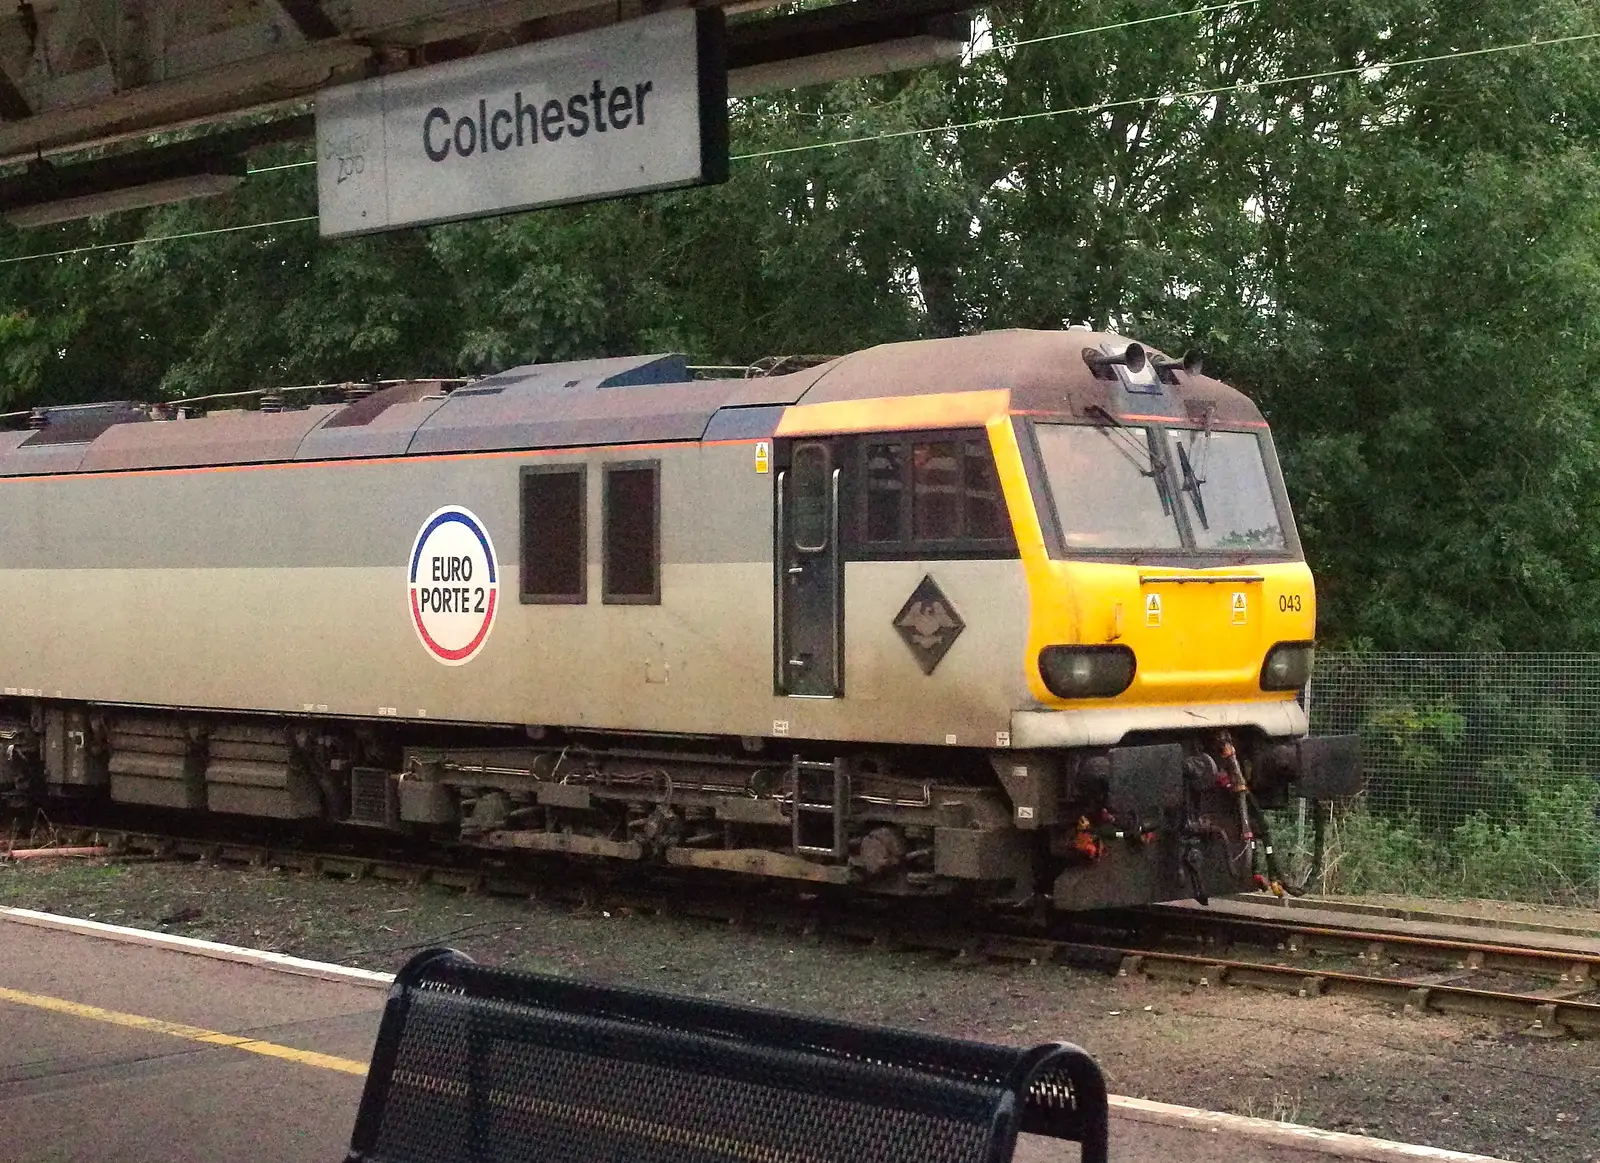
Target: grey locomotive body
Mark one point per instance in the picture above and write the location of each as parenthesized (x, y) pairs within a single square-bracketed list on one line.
[(590, 608)]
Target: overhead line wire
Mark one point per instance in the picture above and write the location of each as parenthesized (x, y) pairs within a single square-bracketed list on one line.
[(1121, 24), (284, 166), (1006, 47), (1181, 95), (157, 238), (978, 123)]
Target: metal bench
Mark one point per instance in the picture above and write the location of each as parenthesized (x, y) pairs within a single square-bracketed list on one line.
[(481, 1065)]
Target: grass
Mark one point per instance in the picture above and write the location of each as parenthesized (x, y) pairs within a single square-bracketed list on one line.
[(1283, 1108), (1546, 852)]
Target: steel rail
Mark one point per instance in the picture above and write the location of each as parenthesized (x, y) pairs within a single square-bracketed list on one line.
[(1552, 1013), (1545, 1014), (1549, 1015), (1376, 944), (1436, 916)]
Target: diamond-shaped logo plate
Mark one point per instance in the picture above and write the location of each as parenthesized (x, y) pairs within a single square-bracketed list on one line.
[(928, 624)]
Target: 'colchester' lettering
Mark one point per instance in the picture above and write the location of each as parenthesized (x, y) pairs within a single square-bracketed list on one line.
[(479, 131)]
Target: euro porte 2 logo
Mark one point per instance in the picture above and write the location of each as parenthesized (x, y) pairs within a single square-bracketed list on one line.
[(454, 585)]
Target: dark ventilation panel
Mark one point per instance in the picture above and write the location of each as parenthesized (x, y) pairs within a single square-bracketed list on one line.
[(625, 371), (43, 459), (757, 423), (564, 405), (80, 423), (223, 437), (554, 541), (359, 413), (661, 369), (382, 424)]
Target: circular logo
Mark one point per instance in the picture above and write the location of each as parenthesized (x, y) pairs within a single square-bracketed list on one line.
[(454, 585)]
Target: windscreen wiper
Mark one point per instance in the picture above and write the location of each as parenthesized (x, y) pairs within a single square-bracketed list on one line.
[(1191, 485), (1155, 464)]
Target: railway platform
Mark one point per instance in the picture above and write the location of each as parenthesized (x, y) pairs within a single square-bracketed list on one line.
[(149, 1048)]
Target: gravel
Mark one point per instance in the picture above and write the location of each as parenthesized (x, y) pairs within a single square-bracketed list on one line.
[(1335, 1063)]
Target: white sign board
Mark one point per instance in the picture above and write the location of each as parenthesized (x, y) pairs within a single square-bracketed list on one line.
[(634, 107)]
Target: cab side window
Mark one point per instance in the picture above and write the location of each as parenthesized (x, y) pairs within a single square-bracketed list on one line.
[(883, 481), (933, 496)]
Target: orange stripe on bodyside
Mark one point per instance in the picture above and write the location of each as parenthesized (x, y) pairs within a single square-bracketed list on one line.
[(353, 461), (895, 413)]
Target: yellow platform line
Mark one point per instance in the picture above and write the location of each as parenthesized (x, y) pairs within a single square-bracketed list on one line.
[(179, 1030)]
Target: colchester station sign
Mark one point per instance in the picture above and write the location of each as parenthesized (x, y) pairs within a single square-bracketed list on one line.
[(635, 107)]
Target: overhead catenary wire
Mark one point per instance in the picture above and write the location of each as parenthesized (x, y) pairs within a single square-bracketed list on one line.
[(1172, 95), (158, 238), (948, 127), (1121, 24), (1006, 47), (281, 166)]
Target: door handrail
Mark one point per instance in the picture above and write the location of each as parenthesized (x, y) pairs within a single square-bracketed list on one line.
[(838, 608), (780, 655)]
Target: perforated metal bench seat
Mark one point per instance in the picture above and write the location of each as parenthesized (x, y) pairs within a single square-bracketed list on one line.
[(481, 1065)]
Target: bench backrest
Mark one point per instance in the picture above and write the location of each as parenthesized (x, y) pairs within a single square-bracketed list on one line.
[(481, 1065)]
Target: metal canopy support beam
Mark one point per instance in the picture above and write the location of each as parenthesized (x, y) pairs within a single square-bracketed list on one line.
[(844, 26), (309, 18), (88, 73), (13, 105), (213, 153), (170, 104), (850, 40)]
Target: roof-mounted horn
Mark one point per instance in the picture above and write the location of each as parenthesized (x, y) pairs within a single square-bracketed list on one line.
[(1131, 357), (1130, 365), (1192, 363)]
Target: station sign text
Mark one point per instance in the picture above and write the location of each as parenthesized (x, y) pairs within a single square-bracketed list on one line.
[(635, 107)]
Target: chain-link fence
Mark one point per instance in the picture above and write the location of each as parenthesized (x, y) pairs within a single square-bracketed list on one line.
[(1482, 774)]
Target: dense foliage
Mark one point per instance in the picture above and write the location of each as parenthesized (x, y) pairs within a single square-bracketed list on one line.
[(1478, 774), (1400, 263)]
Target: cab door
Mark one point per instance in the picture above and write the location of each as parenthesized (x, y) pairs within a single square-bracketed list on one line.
[(808, 573)]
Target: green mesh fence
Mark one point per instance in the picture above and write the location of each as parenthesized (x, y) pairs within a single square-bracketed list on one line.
[(1482, 775)]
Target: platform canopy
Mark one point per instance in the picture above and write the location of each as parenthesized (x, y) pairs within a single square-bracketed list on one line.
[(80, 73)]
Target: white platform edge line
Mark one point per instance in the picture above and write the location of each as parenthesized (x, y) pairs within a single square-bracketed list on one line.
[(281, 962), (1336, 1143)]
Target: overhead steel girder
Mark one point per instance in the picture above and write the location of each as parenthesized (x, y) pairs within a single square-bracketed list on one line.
[(76, 73), (88, 72)]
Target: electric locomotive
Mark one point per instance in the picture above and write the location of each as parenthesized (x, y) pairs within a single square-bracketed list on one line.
[(1019, 616)]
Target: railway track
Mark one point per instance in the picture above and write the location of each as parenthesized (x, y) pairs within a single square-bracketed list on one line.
[(1322, 905), (1549, 982)]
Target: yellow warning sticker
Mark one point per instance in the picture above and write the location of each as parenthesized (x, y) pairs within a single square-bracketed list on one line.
[(763, 456), (1152, 609), (1241, 608)]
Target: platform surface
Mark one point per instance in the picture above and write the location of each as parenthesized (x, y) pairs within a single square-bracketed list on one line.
[(112, 1049)]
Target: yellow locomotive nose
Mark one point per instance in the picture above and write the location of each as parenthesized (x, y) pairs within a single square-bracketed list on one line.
[(1165, 569), (1203, 634), (1210, 633)]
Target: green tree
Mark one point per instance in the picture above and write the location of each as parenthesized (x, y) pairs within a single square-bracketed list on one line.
[(1399, 262)]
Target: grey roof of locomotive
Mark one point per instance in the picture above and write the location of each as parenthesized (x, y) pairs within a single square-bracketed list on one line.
[(626, 400)]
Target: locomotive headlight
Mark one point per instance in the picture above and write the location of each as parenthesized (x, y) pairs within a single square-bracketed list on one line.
[(1086, 672), (1288, 666)]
